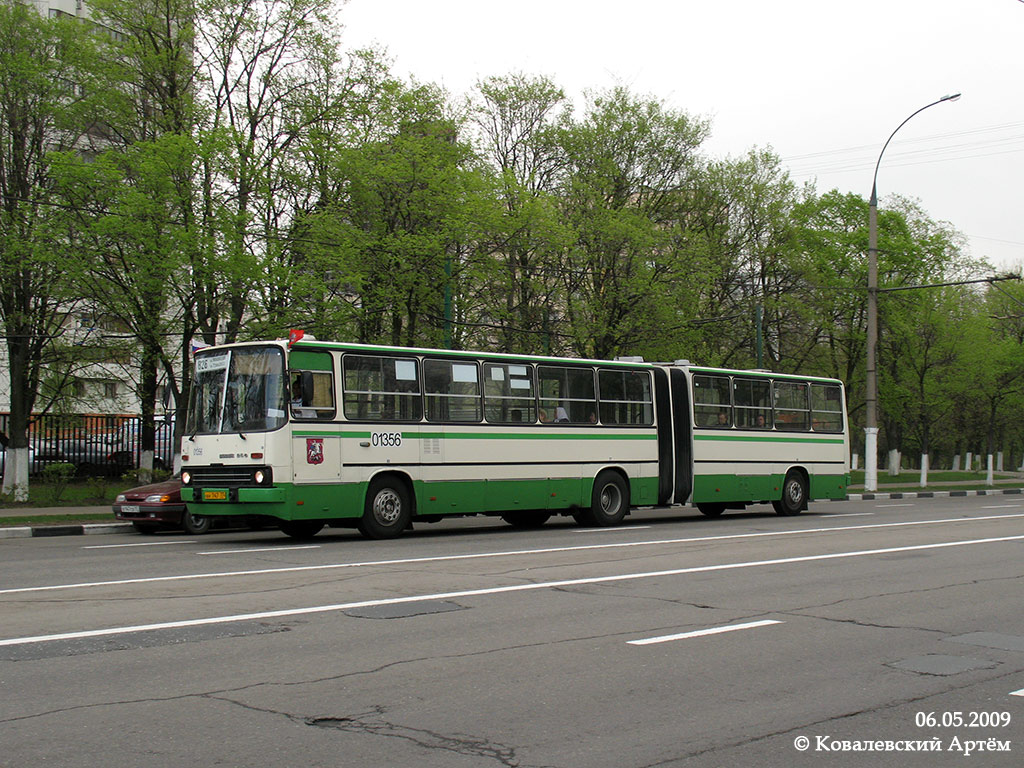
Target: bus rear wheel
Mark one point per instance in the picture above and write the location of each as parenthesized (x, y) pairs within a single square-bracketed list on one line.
[(388, 510), (609, 501), (794, 495)]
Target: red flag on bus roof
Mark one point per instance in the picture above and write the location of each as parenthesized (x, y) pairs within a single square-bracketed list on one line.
[(294, 335)]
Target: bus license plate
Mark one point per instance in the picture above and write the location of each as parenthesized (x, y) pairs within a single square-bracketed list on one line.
[(215, 495)]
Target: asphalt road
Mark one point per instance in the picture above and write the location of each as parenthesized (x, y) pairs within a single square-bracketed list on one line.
[(873, 630)]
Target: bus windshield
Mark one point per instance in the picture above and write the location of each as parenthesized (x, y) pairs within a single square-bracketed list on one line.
[(237, 391)]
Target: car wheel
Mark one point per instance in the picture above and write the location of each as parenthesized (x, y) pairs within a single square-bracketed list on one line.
[(388, 510), (195, 524)]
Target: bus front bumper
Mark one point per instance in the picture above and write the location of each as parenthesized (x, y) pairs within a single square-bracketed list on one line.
[(214, 495)]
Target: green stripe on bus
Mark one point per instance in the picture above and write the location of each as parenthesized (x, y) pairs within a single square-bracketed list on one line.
[(486, 357), (481, 435), (769, 439)]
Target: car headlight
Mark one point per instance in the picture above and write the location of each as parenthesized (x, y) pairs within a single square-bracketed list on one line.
[(157, 498), (186, 477), (120, 498)]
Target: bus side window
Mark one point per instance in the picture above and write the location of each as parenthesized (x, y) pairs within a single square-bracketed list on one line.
[(509, 394), (826, 408), (791, 407), (567, 394), (381, 388), (752, 398), (451, 391), (311, 395), (712, 405), (625, 397)]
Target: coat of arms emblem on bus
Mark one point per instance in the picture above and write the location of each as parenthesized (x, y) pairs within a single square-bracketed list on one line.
[(314, 450)]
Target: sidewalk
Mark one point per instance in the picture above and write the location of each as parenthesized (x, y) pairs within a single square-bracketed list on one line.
[(59, 529)]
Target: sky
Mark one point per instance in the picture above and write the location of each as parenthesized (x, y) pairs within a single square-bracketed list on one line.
[(821, 83)]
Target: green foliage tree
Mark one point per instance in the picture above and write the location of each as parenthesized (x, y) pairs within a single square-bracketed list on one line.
[(516, 120), (745, 228), (45, 95), (133, 200), (831, 240), (629, 166)]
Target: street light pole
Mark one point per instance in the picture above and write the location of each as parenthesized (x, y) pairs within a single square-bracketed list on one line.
[(871, 415)]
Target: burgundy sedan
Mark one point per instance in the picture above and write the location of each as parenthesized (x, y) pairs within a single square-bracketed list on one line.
[(152, 507)]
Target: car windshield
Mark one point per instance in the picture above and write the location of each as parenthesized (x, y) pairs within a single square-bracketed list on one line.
[(237, 390)]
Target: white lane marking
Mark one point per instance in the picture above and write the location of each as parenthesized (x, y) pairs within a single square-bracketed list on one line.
[(851, 514), (1003, 506), (261, 549), (889, 506), (143, 544), (703, 632), (288, 612), (613, 529), (505, 553), (1017, 693)]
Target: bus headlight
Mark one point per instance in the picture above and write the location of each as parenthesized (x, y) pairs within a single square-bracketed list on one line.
[(186, 477), (259, 476)]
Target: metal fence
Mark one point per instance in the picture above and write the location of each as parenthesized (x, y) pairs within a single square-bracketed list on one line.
[(95, 444)]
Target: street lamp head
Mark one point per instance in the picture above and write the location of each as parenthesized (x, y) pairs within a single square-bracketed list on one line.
[(954, 96)]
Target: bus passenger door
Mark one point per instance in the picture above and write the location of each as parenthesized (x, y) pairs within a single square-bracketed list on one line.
[(663, 408), (683, 434)]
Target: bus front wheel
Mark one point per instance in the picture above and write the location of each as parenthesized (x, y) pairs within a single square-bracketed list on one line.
[(609, 501), (195, 524), (388, 510), (794, 495)]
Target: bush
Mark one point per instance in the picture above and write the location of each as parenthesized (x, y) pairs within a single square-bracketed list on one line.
[(135, 477), (98, 489), (57, 476)]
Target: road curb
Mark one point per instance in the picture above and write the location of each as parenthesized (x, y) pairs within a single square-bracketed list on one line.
[(932, 494), (82, 529)]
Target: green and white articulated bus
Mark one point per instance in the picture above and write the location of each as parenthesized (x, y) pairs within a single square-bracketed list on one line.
[(308, 433)]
